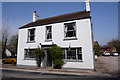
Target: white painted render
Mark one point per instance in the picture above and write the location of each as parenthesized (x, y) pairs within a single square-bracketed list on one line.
[(35, 16), (84, 40), (87, 2)]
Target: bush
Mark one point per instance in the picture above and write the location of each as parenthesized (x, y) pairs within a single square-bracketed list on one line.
[(97, 49), (39, 53), (56, 55), (58, 63)]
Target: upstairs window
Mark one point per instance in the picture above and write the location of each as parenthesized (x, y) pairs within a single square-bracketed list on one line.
[(31, 35), (48, 32), (70, 30)]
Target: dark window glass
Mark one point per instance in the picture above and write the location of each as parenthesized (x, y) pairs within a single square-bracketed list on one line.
[(48, 32), (71, 54), (70, 30), (31, 34), (79, 54), (29, 53)]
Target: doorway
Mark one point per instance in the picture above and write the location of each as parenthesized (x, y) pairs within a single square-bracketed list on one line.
[(49, 59)]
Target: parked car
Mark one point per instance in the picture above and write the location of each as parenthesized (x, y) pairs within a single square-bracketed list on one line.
[(114, 54), (11, 59), (106, 54)]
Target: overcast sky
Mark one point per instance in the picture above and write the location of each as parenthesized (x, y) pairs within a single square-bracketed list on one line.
[(104, 16)]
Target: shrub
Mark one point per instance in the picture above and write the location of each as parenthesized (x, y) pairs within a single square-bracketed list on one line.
[(39, 54), (58, 63), (56, 55)]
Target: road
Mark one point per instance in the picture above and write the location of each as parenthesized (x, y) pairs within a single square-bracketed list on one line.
[(104, 65), (14, 74)]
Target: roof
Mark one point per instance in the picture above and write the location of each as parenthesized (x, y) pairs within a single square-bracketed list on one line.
[(59, 18), (107, 46)]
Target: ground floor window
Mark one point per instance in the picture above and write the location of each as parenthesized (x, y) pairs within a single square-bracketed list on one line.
[(29, 54), (72, 53)]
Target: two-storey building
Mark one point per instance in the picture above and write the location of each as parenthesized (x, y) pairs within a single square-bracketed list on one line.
[(72, 30)]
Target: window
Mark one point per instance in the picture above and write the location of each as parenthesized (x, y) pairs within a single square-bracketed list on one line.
[(31, 35), (29, 54), (48, 33), (70, 30), (72, 54)]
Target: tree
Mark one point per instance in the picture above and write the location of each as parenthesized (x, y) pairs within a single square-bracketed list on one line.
[(12, 44), (0, 43), (4, 41), (56, 55), (39, 53), (0, 49), (97, 49), (115, 43)]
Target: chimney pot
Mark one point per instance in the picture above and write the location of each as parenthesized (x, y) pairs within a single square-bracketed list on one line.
[(34, 11), (87, 5), (35, 16)]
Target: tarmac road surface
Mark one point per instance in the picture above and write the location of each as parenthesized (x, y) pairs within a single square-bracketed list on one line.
[(27, 74)]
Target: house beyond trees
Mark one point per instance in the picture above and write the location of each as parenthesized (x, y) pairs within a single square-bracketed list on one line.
[(71, 30)]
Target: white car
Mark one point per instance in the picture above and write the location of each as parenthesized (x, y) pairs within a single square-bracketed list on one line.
[(106, 54), (114, 54)]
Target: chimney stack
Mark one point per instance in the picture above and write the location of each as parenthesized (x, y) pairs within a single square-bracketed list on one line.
[(35, 16), (87, 2)]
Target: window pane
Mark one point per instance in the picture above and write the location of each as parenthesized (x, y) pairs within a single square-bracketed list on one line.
[(32, 31), (70, 26), (31, 35), (70, 34), (79, 54), (48, 32), (29, 53), (70, 30), (25, 53), (63, 53), (71, 54), (49, 36), (31, 38)]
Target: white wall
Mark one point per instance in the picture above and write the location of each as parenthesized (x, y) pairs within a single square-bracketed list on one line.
[(84, 40)]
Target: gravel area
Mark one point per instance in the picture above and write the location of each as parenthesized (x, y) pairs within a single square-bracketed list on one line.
[(107, 64)]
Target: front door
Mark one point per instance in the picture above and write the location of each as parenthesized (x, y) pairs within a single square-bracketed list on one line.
[(49, 59)]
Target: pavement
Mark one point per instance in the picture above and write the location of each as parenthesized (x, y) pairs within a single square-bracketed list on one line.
[(103, 69)]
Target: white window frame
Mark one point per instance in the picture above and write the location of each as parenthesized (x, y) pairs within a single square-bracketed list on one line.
[(26, 52), (29, 35), (47, 32), (65, 30), (76, 55)]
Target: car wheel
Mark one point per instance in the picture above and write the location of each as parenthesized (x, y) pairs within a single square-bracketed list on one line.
[(13, 62), (3, 62)]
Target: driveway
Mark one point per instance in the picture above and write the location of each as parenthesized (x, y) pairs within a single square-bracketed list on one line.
[(107, 64)]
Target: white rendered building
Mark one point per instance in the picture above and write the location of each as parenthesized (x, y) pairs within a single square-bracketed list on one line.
[(71, 30)]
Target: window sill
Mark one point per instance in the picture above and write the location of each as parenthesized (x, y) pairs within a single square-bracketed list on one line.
[(29, 59), (30, 42), (72, 60), (49, 40), (70, 39)]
